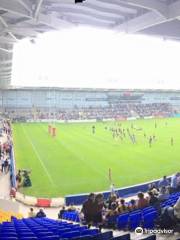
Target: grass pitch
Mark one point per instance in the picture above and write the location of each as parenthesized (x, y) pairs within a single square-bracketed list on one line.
[(77, 161)]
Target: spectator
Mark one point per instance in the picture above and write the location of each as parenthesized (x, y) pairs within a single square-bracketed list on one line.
[(112, 199), (2, 164), (71, 208), (142, 202), (123, 207), (132, 205), (153, 199), (61, 212), (164, 194), (152, 188), (98, 207), (40, 214), (174, 182), (19, 179), (88, 209), (163, 182), (31, 213), (171, 215), (113, 211), (177, 210), (6, 166)]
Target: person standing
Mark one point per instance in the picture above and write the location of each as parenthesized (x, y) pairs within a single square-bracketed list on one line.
[(88, 209)]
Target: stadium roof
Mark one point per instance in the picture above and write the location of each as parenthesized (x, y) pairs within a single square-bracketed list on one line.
[(27, 18)]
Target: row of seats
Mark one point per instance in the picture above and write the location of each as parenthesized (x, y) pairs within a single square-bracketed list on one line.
[(143, 217), (171, 200), (49, 229)]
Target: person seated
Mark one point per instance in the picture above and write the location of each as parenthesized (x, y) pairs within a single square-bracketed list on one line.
[(31, 213), (40, 214), (112, 212), (153, 199), (177, 210), (112, 199), (142, 201), (175, 182), (132, 205), (164, 182), (61, 212), (71, 208), (164, 194), (170, 216), (123, 207)]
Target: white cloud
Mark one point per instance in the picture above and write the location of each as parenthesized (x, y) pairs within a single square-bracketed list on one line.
[(89, 57)]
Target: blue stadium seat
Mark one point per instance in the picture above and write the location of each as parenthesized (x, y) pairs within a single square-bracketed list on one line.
[(87, 237), (90, 232), (28, 238), (122, 221), (135, 220), (112, 220), (53, 237), (149, 219), (123, 237), (9, 238), (71, 234), (153, 237), (106, 235)]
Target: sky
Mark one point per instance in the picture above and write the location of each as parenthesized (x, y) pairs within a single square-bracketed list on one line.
[(96, 58)]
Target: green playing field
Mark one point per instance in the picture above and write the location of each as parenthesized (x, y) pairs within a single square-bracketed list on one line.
[(77, 161)]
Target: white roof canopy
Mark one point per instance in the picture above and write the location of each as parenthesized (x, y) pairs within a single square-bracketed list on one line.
[(27, 18)]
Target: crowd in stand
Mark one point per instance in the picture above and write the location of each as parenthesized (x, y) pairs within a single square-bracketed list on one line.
[(5, 146), (96, 210), (117, 111)]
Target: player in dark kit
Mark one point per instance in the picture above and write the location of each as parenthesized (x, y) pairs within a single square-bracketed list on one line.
[(172, 141), (93, 129), (150, 141)]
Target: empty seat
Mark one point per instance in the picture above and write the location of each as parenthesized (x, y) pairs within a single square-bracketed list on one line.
[(153, 237), (134, 221), (149, 219), (123, 237), (90, 232), (122, 221), (71, 234)]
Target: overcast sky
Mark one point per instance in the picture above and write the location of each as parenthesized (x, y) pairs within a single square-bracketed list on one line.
[(89, 57)]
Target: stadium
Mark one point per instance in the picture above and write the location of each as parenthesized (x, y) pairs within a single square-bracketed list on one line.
[(89, 120)]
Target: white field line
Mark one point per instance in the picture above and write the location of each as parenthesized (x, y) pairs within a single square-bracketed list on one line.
[(38, 156)]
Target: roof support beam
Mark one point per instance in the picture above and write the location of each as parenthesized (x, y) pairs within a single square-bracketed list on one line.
[(19, 10), (6, 26), (14, 8), (8, 40), (37, 8), (140, 23), (152, 5), (26, 4), (174, 10), (5, 50), (150, 18)]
